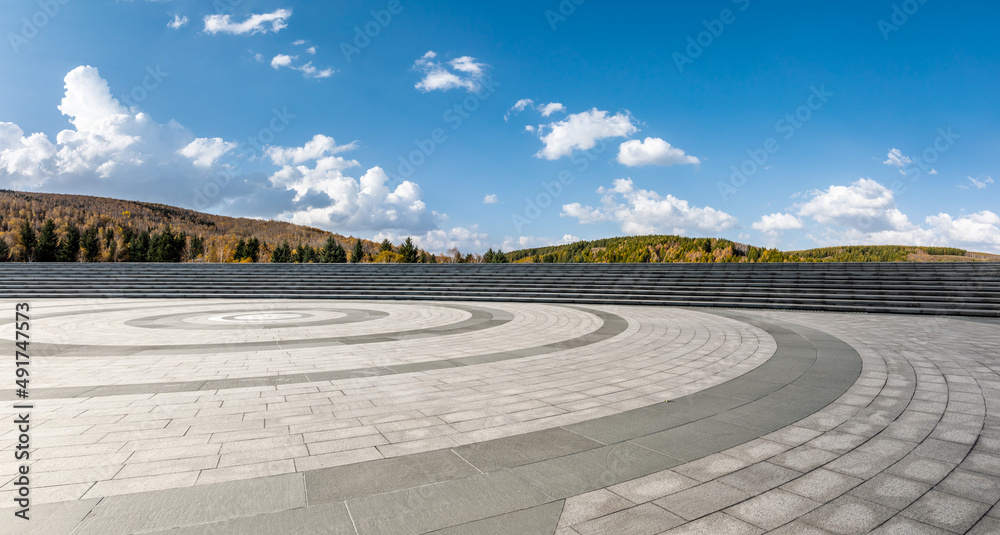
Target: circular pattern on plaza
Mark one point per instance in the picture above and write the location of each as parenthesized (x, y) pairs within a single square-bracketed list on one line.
[(410, 417)]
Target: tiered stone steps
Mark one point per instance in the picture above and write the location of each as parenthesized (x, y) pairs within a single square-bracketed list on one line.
[(971, 289)]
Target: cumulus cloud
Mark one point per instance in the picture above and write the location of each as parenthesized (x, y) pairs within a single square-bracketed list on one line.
[(581, 131), (865, 213), (204, 151), (976, 183), (441, 240), (530, 242), (109, 150), (864, 205), (464, 73), (544, 109), (334, 200), (897, 159), (255, 23), (116, 152), (316, 148), (491, 199), (178, 22), (652, 151), (777, 222), (639, 211)]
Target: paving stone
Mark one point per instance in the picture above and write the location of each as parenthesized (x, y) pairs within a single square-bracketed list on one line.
[(946, 511), (702, 500), (847, 515), (591, 505), (772, 509), (891, 491), (646, 519)]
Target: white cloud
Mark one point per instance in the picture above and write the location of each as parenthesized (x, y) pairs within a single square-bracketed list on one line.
[(282, 60), (255, 23), (316, 148), (550, 108), (204, 151), (467, 239), (465, 73), (864, 205), (491, 199), (178, 22), (639, 211), (581, 131), (299, 42), (976, 183), (531, 242), (330, 199), (652, 151), (777, 222), (865, 213), (308, 70), (897, 159), (311, 50), (110, 150), (518, 107)]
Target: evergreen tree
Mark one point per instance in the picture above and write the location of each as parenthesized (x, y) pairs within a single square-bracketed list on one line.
[(488, 257), (282, 254), (4, 251), (69, 245), (197, 247), (408, 252), (28, 241), (91, 245), (138, 247), (357, 252), (332, 252), (386, 245), (45, 251), (241, 250), (252, 250), (499, 257)]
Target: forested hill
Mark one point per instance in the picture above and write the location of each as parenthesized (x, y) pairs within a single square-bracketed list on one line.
[(682, 249), (117, 228)]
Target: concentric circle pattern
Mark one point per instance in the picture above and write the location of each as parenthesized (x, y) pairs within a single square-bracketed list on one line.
[(361, 416)]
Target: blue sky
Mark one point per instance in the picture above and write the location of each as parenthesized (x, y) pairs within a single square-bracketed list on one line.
[(475, 125)]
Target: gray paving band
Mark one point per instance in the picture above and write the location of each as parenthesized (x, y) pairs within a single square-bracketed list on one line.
[(482, 318), (173, 321), (808, 371), (612, 325), (514, 481)]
